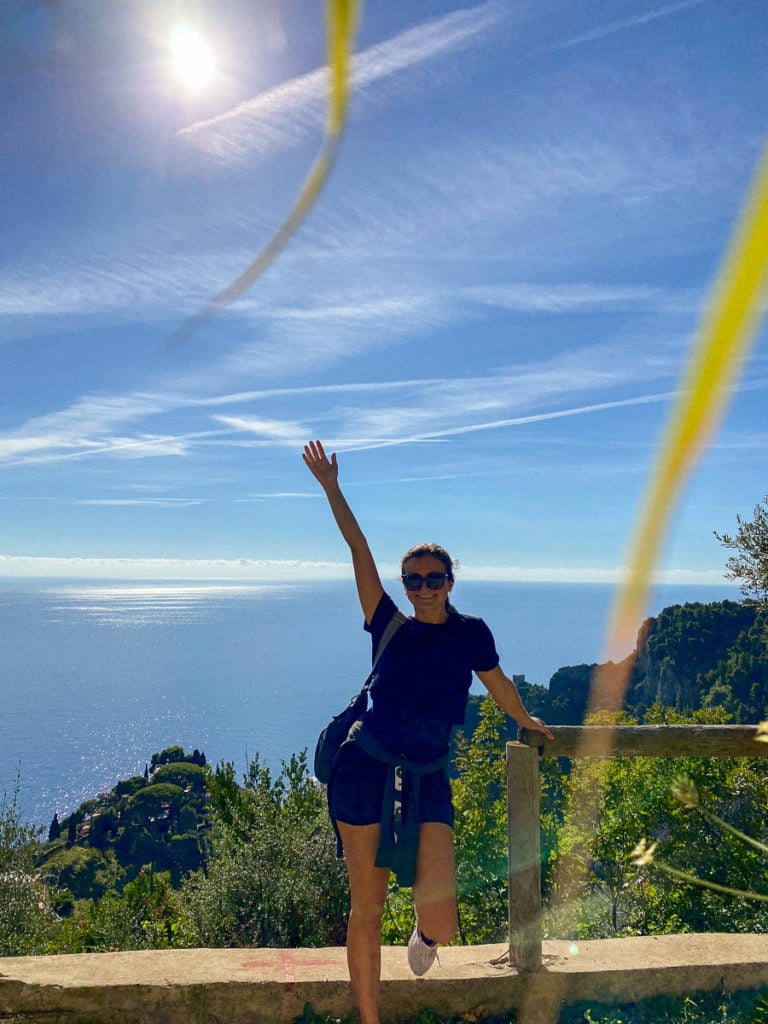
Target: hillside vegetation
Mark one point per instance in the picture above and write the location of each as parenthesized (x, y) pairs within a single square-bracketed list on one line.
[(689, 657), (188, 855)]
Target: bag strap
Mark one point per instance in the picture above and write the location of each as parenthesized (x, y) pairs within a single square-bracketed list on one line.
[(392, 627)]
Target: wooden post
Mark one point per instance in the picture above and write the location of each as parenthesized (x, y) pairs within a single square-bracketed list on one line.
[(524, 844)]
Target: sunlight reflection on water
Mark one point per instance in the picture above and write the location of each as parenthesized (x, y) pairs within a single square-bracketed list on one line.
[(100, 676), (143, 605)]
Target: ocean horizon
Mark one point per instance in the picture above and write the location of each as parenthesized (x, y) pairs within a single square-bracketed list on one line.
[(101, 674)]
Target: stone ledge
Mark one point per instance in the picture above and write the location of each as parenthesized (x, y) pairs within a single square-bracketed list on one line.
[(271, 986)]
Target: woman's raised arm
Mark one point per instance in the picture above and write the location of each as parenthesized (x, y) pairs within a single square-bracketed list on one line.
[(326, 472)]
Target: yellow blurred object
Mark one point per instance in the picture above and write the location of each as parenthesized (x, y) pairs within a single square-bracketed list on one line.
[(728, 327), (341, 21)]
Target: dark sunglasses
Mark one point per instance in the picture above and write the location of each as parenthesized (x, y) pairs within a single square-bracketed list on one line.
[(434, 580)]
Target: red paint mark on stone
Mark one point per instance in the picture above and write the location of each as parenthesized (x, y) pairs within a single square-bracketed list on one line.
[(288, 963), (285, 956)]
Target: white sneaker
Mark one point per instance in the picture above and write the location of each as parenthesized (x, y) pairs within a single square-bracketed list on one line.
[(420, 955)]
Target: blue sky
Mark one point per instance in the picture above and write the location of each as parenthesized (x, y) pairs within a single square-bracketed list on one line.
[(486, 314)]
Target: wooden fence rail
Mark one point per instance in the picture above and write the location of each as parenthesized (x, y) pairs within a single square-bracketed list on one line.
[(589, 741)]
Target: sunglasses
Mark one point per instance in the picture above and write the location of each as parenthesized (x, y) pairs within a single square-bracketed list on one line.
[(434, 580)]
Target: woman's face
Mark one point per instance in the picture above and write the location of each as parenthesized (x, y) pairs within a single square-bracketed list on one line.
[(428, 604)]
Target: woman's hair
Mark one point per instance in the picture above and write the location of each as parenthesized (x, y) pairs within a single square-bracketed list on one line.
[(429, 548)]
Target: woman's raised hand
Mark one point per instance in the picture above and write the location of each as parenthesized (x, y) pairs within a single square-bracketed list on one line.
[(326, 472), (323, 470)]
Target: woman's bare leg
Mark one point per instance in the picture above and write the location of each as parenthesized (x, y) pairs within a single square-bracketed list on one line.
[(368, 891), (434, 890)]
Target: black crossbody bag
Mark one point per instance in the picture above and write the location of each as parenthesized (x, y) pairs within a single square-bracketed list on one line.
[(337, 730)]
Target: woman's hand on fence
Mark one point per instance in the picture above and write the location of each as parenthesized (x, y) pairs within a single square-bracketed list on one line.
[(536, 725)]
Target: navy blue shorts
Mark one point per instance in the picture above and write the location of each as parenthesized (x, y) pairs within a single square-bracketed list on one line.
[(356, 790)]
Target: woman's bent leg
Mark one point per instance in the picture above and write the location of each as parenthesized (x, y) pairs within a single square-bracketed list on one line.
[(368, 891), (434, 890)]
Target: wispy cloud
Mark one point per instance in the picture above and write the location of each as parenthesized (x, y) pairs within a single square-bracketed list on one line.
[(148, 278), (584, 297), (87, 427), (334, 390), (287, 432), (394, 249), (58, 446), (516, 396), (96, 425), (147, 502), (455, 430), (271, 495), (316, 339), (397, 250), (286, 115), (623, 25)]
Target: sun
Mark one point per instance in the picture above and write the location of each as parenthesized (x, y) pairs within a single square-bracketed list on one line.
[(192, 59)]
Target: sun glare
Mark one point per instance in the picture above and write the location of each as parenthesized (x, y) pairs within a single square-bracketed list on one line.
[(192, 58)]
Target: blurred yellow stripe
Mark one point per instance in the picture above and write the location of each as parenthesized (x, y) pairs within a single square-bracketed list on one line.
[(728, 327), (341, 22), (342, 25)]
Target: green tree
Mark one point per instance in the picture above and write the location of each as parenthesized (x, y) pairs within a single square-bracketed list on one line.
[(178, 773), (749, 564), (568, 694), (144, 915), (168, 756), (127, 787), (26, 917), (611, 898), (686, 793), (480, 802), (272, 877), (154, 803), (688, 648), (81, 872)]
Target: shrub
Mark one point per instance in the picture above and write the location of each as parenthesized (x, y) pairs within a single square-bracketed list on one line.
[(26, 915)]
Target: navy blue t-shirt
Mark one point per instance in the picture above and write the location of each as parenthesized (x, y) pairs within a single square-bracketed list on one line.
[(423, 679)]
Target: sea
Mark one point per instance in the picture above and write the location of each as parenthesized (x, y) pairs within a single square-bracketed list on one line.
[(97, 675)]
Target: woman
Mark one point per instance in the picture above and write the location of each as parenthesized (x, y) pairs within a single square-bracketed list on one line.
[(390, 772)]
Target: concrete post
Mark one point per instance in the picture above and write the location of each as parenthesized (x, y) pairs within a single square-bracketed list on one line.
[(524, 844)]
